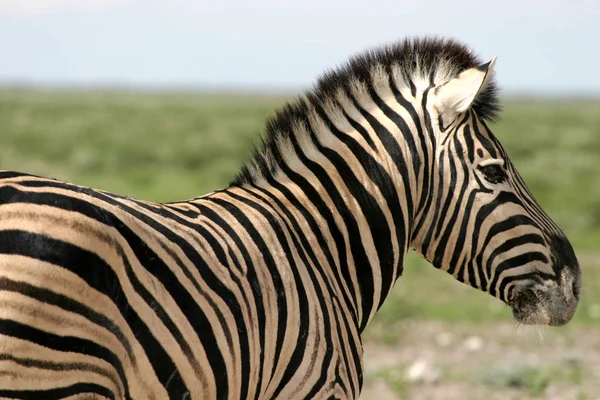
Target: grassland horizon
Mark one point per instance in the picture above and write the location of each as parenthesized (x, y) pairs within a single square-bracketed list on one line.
[(176, 146)]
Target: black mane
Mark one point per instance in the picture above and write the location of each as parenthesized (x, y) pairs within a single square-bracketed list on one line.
[(413, 56)]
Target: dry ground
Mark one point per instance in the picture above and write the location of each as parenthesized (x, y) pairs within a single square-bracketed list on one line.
[(434, 360)]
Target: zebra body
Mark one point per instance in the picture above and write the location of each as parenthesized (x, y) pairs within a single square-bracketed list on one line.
[(262, 290), (214, 298)]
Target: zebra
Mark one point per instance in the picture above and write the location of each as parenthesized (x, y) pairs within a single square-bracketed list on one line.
[(262, 290)]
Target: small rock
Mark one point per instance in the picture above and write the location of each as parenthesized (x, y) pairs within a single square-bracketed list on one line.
[(444, 339), (473, 343), (422, 371)]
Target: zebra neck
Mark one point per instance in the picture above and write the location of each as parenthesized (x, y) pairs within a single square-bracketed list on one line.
[(338, 230), (355, 170)]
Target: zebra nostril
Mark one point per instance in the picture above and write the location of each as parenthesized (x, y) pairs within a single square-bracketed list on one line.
[(576, 289)]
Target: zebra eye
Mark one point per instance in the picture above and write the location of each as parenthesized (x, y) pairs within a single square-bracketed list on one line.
[(493, 173)]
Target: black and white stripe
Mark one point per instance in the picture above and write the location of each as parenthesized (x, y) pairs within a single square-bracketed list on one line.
[(262, 290)]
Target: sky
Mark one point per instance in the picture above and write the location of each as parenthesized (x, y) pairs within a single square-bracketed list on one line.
[(543, 46)]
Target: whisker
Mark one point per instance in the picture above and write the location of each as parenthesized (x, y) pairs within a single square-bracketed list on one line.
[(540, 332)]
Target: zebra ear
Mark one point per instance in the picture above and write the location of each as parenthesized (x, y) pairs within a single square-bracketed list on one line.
[(457, 95)]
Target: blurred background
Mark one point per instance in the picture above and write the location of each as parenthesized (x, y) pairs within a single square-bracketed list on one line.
[(161, 100)]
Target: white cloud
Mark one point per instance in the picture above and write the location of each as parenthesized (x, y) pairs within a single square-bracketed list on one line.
[(37, 7)]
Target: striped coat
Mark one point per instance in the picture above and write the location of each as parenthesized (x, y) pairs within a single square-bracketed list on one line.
[(262, 290)]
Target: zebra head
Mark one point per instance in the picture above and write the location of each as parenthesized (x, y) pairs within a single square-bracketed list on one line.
[(481, 224)]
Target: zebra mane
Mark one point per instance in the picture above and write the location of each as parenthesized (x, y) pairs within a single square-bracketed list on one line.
[(428, 59)]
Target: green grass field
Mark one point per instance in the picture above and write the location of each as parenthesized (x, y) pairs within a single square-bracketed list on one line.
[(172, 147)]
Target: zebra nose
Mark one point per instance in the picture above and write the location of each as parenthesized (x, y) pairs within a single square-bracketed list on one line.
[(576, 288), (565, 303), (571, 278)]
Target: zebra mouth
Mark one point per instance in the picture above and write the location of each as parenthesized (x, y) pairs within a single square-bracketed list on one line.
[(529, 309)]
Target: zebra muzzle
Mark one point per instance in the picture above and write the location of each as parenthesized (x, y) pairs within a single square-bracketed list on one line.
[(551, 302)]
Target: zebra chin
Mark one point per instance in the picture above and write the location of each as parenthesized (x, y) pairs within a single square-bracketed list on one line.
[(550, 302)]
